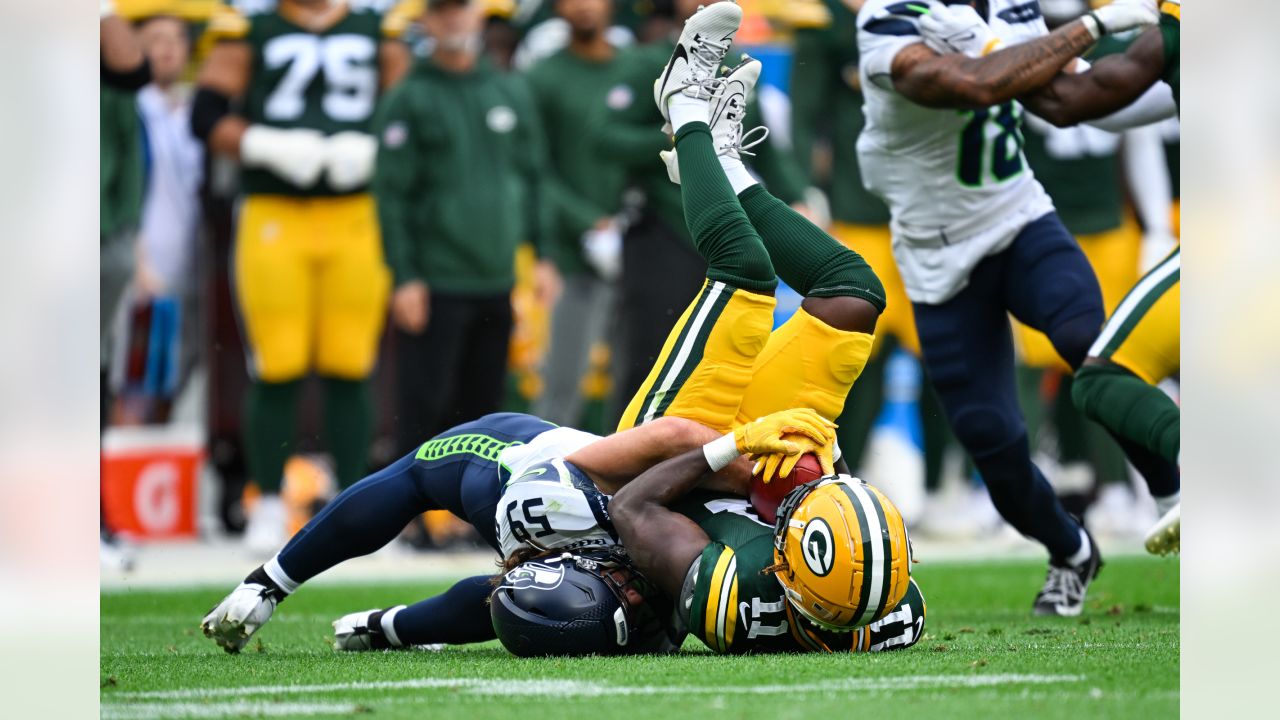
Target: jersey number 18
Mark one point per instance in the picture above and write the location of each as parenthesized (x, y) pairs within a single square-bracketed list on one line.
[(1004, 145)]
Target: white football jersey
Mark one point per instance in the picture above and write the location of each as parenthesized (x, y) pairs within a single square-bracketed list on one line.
[(548, 503), (956, 183)]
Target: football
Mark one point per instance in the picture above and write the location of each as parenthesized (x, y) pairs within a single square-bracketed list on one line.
[(765, 498)]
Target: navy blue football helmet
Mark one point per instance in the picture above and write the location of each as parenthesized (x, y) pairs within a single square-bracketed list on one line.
[(584, 602)]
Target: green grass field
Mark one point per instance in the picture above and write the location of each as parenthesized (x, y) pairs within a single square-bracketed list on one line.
[(982, 656)]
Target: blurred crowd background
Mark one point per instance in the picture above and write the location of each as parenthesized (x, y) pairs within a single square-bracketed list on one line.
[(561, 310)]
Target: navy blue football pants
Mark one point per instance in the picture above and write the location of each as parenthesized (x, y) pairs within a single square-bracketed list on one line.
[(457, 471), (1044, 280)]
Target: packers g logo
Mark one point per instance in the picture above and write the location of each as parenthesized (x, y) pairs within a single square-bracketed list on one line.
[(817, 547)]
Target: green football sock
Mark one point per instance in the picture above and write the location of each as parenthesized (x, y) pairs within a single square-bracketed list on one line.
[(1082, 440), (270, 412), (721, 231), (808, 259), (1128, 406), (348, 426)]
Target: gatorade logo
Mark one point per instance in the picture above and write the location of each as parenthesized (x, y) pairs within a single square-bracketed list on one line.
[(817, 547), (155, 497)]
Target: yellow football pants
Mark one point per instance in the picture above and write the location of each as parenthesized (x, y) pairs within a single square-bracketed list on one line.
[(311, 285), (721, 365), (1144, 334), (707, 360)]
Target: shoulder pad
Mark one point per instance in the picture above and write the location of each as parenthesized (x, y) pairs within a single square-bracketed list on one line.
[(227, 23), (806, 14), (397, 19), (894, 18)]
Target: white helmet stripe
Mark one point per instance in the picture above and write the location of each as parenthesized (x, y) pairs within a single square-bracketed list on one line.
[(873, 563)]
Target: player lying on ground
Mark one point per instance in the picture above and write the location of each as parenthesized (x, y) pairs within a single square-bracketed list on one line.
[(719, 364), (842, 558), (1139, 345), (712, 553)]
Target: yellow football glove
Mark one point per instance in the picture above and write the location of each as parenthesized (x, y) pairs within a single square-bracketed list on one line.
[(783, 464), (765, 436)]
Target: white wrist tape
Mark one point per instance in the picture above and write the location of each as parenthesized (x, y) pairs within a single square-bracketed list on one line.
[(1093, 25), (721, 451)]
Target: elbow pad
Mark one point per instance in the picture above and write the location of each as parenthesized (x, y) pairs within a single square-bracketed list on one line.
[(207, 108)]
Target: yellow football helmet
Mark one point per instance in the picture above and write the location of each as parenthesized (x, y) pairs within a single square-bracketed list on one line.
[(841, 552)]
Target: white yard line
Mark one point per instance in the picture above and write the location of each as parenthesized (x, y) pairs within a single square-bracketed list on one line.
[(574, 688), (159, 711)]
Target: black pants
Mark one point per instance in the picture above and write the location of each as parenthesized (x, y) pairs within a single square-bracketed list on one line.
[(662, 275), (456, 370)]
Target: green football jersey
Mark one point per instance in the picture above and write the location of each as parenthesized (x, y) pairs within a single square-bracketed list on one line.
[(1170, 29), (325, 80), (737, 607)]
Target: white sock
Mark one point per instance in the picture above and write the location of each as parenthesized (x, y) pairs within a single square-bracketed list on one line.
[(684, 109), (389, 625), (279, 576), (1167, 503), (1086, 549), (739, 177)]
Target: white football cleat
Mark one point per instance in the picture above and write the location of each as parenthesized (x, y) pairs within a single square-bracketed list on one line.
[(695, 63), (265, 533), (234, 620), (1166, 536), (728, 110), (357, 632)]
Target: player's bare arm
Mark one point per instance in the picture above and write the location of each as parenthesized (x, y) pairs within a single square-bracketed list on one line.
[(120, 50), (959, 81), (662, 543), (224, 77), (613, 461), (1112, 83)]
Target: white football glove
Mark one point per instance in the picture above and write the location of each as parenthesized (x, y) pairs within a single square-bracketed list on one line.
[(957, 29), (234, 620), (1122, 15), (603, 250), (297, 156), (349, 159)]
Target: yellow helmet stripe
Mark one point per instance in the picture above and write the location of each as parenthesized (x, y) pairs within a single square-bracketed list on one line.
[(712, 622), (861, 540), (729, 621)]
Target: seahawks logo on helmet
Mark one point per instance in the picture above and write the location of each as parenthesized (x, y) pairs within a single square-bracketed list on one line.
[(534, 575), (817, 547)]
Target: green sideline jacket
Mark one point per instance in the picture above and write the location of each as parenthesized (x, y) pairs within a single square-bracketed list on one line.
[(569, 91), (459, 181)]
